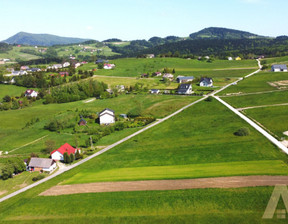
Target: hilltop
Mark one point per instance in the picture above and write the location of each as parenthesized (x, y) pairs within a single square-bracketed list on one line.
[(223, 33), (42, 39)]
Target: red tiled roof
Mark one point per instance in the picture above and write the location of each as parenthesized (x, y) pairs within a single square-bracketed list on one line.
[(65, 148)]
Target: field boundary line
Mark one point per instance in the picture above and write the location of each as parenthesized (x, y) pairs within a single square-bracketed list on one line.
[(261, 106)]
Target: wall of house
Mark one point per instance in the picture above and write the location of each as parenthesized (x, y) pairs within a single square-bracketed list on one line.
[(107, 119), (57, 156)]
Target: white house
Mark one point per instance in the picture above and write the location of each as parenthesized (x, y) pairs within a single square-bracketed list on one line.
[(42, 164), (31, 93), (66, 64), (206, 82), (185, 89), (230, 59), (154, 91), (279, 68), (108, 66), (58, 154), (56, 66), (107, 117)]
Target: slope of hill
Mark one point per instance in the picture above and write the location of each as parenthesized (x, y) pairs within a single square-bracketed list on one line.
[(41, 39), (223, 33)]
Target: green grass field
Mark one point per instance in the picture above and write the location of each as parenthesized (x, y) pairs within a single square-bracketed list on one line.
[(243, 205), (11, 90), (12, 135), (16, 54), (132, 67), (257, 83), (258, 99), (273, 118)]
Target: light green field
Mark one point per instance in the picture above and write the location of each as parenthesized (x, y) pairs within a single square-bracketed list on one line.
[(273, 118), (257, 83), (185, 147), (11, 90), (12, 135), (265, 167), (258, 99), (241, 205), (132, 67), (16, 54)]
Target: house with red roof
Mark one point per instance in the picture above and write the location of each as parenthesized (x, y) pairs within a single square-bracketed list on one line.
[(58, 154)]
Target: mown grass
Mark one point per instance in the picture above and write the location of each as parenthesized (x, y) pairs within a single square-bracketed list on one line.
[(16, 54), (132, 67), (242, 205), (258, 99), (256, 83), (264, 167), (11, 90), (273, 118)]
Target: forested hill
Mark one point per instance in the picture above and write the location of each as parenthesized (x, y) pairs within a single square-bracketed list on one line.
[(41, 39), (223, 33), (222, 47)]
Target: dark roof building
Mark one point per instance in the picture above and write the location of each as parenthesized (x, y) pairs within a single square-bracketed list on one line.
[(185, 79)]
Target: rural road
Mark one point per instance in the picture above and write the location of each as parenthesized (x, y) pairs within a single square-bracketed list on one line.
[(152, 185), (261, 106)]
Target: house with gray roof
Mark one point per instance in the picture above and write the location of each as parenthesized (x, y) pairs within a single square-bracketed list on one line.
[(42, 164), (185, 89), (185, 79), (279, 68), (206, 82)]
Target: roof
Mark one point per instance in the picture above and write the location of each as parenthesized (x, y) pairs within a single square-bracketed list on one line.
[(65, 148), (82, 120), (29, 91), (184, 87), (105, 110), (207, 80), (282, 67), (185, 77), (41, 162)]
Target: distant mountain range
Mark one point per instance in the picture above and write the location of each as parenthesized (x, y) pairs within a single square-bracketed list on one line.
[(207, 33), (41, 39)]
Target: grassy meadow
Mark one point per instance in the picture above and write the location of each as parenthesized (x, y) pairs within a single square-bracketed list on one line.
[(240, 205), (11, 90), (14, 135), (16, 54), (133, 67), (257, 83), (273, 118)]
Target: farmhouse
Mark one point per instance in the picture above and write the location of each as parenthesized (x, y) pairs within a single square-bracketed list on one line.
[(56, 66), (230, 59), (66, 64), (279, 68), (108, 66), (31, 93), (206, 82), (42, 164), (185, 89), (107, 117), (185, 79), (58, 154)]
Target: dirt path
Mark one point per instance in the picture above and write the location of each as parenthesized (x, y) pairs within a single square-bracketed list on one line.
[(28, 143), (273, 105), (151, 185), (255, 93)]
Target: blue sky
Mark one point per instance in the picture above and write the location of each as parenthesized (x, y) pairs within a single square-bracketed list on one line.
[(140, 19)]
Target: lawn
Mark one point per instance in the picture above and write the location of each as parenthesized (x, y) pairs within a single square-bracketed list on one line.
[(258, 99), (239, 205), (257, 83), (132, 67), (273, 118), (11, 90)]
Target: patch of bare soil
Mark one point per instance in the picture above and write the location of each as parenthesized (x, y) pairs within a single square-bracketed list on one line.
[(3, 192), (152, 185), (279, 84)]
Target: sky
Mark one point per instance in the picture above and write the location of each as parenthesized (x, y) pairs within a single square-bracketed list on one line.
[(140, 19)]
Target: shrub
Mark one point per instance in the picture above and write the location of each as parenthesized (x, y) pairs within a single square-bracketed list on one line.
[(39, 177), (242, 132), (209, 99)]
